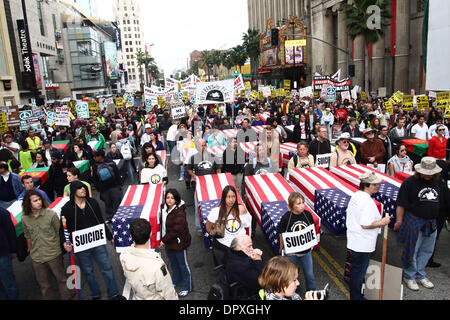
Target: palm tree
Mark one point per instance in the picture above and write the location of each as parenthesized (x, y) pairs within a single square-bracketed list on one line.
[(195, 66), (238, 56), (208, 61), (140, 62), (356, 20), (153, 70), (145, 59), (251, 45)]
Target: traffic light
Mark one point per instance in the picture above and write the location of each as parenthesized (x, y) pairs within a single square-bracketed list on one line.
[(275, 34), (351, 70)]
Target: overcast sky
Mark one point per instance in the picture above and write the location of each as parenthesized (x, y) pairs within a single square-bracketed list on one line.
[(178, 27)]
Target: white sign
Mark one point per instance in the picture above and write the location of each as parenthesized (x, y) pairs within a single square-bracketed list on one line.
[(382, 92), (345, 95), (215, 92), (62, 116), (82, 110), (299, 241), (306, 92), (323, 160), (89, 238), (380, 167), (51, 118), (178, 111), (239, 83)]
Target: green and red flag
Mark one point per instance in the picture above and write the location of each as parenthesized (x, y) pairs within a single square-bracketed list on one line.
[(417, 146)]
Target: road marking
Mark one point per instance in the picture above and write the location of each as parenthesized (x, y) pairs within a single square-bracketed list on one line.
[(332, 261), (331, 274)]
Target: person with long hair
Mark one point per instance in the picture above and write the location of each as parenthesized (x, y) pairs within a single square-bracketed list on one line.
[(147, 148), (233, 216), (157, 144), (40, 160), (400, 162), (41, 230), (153, 171), (279, 281), (73, 174), (175, 238)]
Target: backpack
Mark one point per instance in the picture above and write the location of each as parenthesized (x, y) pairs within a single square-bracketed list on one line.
[(105, 172), (125, 150)]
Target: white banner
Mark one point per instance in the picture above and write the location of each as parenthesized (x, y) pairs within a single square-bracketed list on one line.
[(89, 238), (215, 92), (306, 92), (295, 242), (345, 95), (82, 110), (62, 116), (239, 83)]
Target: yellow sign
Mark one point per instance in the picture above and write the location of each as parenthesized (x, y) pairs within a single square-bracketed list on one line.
[(248, 86), (161, 101), (93, 107), (280, 92), (119, 102), (397, 98), (295, 43), (447, 112), (72, 106), (287, 84), (179, 86), (260, 95), (185, 95), (3, 124), (72, 117), (243, 93), (316, 94), (287, 93), (363, 96), (273, 93), (408, 102), (254, 95), (442, 99), (422, 102), (388, 106)]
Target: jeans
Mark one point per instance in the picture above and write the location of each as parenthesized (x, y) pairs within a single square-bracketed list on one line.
[(8, 286), (360, 263), (171, 145), (307, 265), (112, 198), (85, 260), (422, 253), (181, 273)]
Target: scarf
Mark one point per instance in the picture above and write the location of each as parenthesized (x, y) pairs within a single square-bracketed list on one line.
[(400, 164)]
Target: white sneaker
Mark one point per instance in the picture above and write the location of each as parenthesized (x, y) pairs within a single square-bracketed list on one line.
[(412, 284), (426, 283), (183, 293), (181, 179)]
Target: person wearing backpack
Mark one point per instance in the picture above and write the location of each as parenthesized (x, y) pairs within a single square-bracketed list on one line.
[(127, 149), (108, 181)]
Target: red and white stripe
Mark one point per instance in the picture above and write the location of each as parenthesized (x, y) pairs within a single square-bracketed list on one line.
[(246, 146), (163, 155), (308, 180), (351, 174), (264, 116), (230, 133), (268, 188), (258, 129), (210, 187), (151, 197), (285, 148)]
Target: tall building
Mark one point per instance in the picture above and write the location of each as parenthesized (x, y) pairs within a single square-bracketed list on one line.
[(127, 15), (87, 7), (395, 61)]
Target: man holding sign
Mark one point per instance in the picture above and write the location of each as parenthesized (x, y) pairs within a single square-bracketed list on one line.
[(88, 234), (298, 237)]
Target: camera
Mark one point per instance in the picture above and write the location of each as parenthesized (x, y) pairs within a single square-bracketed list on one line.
[(323, 293)]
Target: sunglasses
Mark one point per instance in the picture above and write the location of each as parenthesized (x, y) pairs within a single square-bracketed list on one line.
[(402, 150)]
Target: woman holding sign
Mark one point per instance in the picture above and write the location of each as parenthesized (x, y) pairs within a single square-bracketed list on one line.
[(293, 221)]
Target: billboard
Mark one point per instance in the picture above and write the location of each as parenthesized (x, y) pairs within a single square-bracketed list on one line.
[(112, 67), (289, 52)]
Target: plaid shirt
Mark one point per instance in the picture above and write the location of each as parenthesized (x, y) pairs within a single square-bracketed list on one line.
[(409, 232)]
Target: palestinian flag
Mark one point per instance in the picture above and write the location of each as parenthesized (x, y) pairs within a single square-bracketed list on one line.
[(96, 145), (416, 146), (40, 175), (82, 165), (61, 145)]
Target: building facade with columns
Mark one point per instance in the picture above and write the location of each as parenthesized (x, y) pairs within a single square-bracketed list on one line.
[(395, 60)]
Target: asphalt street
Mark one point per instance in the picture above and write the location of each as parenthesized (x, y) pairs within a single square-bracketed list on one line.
[(329, 261)]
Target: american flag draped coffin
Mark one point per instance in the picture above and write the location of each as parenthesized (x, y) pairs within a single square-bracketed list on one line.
[(288, 150), (387, 191), (208, 194), (267, 196), (319, 185), (140, 201), (247, 147)]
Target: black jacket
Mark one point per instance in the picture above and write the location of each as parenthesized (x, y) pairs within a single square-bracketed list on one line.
[(78, 219), (7, 234), (298, 132), (177, 237), (241, 268), (116, 181)]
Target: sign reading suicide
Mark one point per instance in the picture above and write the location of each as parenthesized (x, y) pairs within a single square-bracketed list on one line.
[(215, 92)]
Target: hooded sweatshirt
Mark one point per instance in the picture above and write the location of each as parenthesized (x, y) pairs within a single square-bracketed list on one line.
[(79, 219)]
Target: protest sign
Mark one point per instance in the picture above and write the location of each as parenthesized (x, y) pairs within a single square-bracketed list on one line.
[(422, 102), (119, 102), (382, 92), (38, 112), (62, 116), (178, 111), (12, 115), (389, 107), (89, 238), (299, 241), (254, 95), (323, 160), (215, 92), (82, 110), (287, 84), (397, 98), (345, 95), (239, 83), (248, 85), (306, 92), (408, 102), (442, 99), (3, 123), (363, 96), (24, 115), (93, 107), (280, 92), (331, 94), (51, 117)]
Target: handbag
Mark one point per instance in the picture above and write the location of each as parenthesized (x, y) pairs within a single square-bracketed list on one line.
[(218, 228)]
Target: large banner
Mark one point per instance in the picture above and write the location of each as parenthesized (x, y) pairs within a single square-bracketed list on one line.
[(325, 81), (215, 92), (112, 67)]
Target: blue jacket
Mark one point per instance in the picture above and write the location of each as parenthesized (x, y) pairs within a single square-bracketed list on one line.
[(22, 195), (16, 183)]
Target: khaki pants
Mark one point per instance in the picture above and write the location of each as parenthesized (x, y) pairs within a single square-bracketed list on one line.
[(43, 273)]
